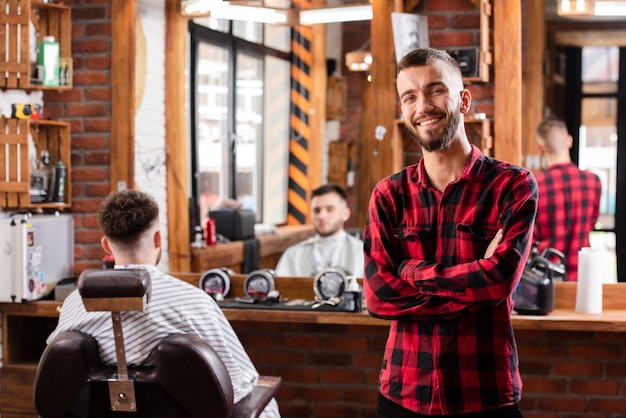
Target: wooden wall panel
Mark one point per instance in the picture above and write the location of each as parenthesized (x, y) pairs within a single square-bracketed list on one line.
[(507, 45), (176, 138), (122, 93), (532, 76)]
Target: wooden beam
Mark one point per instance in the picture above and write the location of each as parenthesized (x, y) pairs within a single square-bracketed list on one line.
[(591, 38), (380, 110), (176, 138), (532, 76), (317, 118), (507, 45), (122, 139)]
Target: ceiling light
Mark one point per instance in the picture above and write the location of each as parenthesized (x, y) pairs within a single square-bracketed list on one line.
[(251, 14), (359, 60), (609, 8), (336, 14), (580, 8), (227, 10)]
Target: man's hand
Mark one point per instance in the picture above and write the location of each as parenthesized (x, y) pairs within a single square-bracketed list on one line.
[(494, 244)]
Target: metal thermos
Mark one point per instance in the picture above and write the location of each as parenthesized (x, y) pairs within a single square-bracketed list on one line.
[(56, 192)]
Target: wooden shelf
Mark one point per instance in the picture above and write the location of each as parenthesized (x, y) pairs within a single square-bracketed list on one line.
[(15, 172), (16, 42)]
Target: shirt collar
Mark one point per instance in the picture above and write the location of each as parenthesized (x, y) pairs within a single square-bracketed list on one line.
[(471, 170)]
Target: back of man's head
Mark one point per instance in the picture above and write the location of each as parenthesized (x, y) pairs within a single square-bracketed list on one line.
[(125, 215), (552, 135)]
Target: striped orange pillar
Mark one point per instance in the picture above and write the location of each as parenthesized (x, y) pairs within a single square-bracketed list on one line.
[(300, 129)]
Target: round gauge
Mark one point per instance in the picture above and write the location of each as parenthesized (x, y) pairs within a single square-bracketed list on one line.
[(216, 282), (259, 283), (330, 283)]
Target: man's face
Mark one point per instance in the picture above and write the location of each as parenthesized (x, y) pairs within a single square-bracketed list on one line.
[(432, 98), (329, 212)]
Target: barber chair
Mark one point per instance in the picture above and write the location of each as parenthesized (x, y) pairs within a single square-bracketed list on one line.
[(188, 380)]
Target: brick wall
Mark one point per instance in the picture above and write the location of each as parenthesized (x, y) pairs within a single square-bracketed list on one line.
[(88, 109), (332, 370)]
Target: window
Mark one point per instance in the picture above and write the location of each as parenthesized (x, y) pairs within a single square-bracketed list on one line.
[(240, 117)]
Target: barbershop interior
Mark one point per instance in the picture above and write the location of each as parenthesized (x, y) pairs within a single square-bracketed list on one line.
[(231, 115)]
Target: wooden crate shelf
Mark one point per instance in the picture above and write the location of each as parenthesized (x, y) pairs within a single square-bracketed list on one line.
[(48, 19), (53, 136)]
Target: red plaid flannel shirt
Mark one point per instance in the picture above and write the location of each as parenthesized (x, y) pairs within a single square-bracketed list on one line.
[(569, 206), (451, 348)]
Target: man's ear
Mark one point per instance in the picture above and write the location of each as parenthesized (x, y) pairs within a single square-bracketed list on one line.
[(346, 214), (105, 245), (466, 101), (157, 238)]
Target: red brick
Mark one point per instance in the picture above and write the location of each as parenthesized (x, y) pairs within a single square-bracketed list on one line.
[(594, 387), (607, 405), (535, 367), (85, 205), (90, 45), (539, 350), (88, 174), (367, 359), (318, 394), (92, 109), (577, 368), (296, 408), (89, 13), (562, 404), (466, 21), (592, 351), (450, 39), (329, 359), (93, 158), (87, 236), (95, 251), (98, 94), (85, 142), (99, 63), (336, 410), (450, 6), (309, 342), (99, 189), (544, 385), (74, 95), (97, 125), (90, 221), (345, 343), (76, 126), (98, 29), (91, 77), (437, 22), (283, 357), (344, 376), (298, 374), (360, 395)]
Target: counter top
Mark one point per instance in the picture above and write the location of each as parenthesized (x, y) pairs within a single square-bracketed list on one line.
[(612, 319)]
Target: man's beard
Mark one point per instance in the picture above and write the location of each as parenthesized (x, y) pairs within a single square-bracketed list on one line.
[(438, 143)]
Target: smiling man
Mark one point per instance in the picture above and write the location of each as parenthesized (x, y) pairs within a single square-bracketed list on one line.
[(445, 245)]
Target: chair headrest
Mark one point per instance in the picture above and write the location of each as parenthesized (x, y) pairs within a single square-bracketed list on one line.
[(114, 284)]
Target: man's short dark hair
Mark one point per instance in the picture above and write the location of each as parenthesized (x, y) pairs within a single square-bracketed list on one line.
[(424, 56), (330, 188), (125, 215)]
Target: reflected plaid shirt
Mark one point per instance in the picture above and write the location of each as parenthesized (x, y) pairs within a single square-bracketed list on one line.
[(451, 348), (569, 206)]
